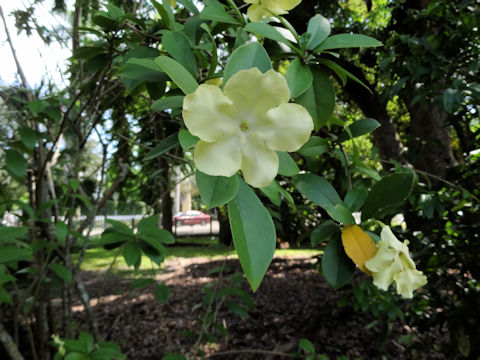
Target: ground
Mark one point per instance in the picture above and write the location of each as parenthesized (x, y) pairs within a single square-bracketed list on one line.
[(293, 302)]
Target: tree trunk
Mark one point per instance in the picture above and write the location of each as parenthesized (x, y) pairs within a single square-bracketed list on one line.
[(225, 234), (430, 143)]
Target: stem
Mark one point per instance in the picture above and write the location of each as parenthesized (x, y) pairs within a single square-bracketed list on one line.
[(9, 344), (237, 11)]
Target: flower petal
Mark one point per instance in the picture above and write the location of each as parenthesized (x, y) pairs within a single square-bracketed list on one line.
[(220, 158), (207, 113), (259, 164), (286, 127), (383, 278), (409, 280), (287, 4), (256, 12), (388, 236), (254, 92), (384, 257)]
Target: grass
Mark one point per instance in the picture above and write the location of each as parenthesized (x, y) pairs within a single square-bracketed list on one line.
[(101, 259)]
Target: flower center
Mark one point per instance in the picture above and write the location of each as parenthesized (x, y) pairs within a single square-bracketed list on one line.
[(244, 126)]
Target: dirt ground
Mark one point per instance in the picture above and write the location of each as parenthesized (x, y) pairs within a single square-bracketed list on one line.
[(293, 302)]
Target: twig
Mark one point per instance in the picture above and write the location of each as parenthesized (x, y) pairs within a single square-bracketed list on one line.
[(9, 344)]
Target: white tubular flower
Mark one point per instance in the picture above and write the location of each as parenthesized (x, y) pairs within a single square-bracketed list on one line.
[(267, 8), (241, 128), (392, 262)]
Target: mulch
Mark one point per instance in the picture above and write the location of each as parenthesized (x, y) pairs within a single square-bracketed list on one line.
[(293, 302)]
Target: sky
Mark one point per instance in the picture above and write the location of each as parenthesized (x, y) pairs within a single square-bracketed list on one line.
[(38, 60)]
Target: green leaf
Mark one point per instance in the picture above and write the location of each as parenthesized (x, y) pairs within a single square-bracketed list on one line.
[(341, 41), (28, 136), (319, 98), (120, 227), (12, 253), (131, 253), (452, 99), (187, 140), (145, 70), (141, 283), (340, 213), (16, 164), (318, 28), (168, 103), (5, 278), (5, 297), (315, 146), (287, 166), (355, 198), (317, 189), (387, 195), (162, 293), (161, 236), (267, 31), (246, 57), (148, 222), (324, 232), (10, 234), (272, 192), (178, 47), (62, 272), (216, 190), (216, 13), (165, 15), (307, 346), (253, 234), (165, 145), (189, 5), (299, 78), (358, 128), (342, 73), (61, 232), (336, 265), (37, 106), (174, 357), (179, 75), (88, 52), (233, 291)]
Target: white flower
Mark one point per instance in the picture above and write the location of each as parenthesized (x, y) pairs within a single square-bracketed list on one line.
[(242, 127), (267, 8), (392, 262)]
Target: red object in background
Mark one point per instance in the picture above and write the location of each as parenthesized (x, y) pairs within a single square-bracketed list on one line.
[(191, 217)]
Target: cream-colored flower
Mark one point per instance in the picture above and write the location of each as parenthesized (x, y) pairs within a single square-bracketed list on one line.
[(392, 262), (267, 8), (242, 127)]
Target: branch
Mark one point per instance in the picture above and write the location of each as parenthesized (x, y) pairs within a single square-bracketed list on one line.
[(7, 340)]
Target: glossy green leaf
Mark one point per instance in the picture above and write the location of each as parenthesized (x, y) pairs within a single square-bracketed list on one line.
[(178, 47), (452, 99), (317, 189), (5, 297), (37, 106), (253, 234), (324, 232), (62, 272), (355, 198), (15, 162), (359, 128), (165, 145), (246, 57), (299, 78), (217, 13), (28, 136), (287, 166), (341, 41), (315, 146), (148, 222), (342, 73), (143, 70), (12, 253), (272, 192), (162, 293), (61, 232), (131, 253), (340, 213), (387, 195), (216, 190), (187, 140), (336, 265), (268, 32), (165, 13), (120, 227), (141, 283), (10, 234), (318, 28), (179, 75), (319, 98), (168, 103)]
